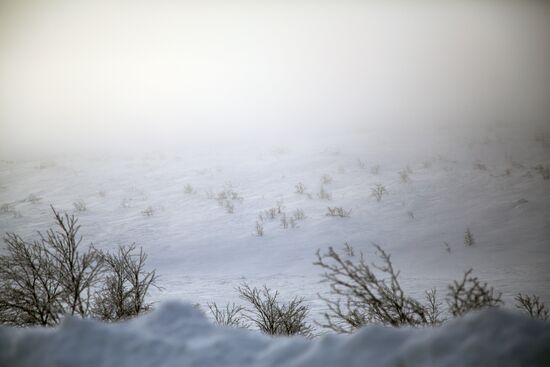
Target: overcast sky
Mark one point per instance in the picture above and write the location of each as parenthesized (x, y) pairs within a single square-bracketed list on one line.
[(171, 71)]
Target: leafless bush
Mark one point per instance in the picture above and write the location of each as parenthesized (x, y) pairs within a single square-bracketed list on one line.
[(363, 297), (284, 221), (326, 179), (7, 208), (361, 164), (378, 192), (33, 199), (338, 211), (375, 169), (188, 189), (273, 317), (470, 294), (298, 214), (125, 286), (300, 188), (44, 279), (469, 238), (544, 171), (230, 315), (480, 166), (227, 197), (80, 205), (149, 211), (259, 229), (533, 306), (404, 174), (323, 194), (126, 203), (348, 249)]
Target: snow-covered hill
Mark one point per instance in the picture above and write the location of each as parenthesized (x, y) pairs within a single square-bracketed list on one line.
[(483, 180)]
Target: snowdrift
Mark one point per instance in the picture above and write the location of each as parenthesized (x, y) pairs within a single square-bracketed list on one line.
[(179, 335)]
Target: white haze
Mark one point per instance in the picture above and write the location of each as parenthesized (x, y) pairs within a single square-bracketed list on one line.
[(80, 75)]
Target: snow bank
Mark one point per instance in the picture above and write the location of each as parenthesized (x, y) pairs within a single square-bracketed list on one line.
[(179, 335)]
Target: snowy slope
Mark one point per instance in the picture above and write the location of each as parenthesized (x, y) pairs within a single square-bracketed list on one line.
[(202, 252), (179, 335)]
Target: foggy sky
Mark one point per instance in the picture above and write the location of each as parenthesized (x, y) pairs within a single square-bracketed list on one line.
[(79, 73)]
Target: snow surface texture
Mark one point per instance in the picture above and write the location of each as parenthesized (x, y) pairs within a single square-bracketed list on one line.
[(177, 334)]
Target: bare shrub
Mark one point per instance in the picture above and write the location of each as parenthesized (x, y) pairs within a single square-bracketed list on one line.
[(375, 169), (338, 211), (404, 174), (80, 205), (43, 279), (298, 214), (470, 294), (300, 188), (188, 189), (230, 315), (326, 179), (480, 166), (363, 297), (7, 208), (273, 317), (469, 238), (544, 171), (284, 221), (126, 203), (259, 229), (149, 211), (533, 306), (227, 197), (378, 192), (361, 164), (125, 286), (348, 249), (323, 194), (33, 199)]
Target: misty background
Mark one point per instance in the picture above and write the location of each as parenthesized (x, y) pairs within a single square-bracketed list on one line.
[(101, 75)]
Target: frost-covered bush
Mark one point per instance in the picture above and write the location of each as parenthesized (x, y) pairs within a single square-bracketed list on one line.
[(404, 174), (323, 194), (533, 306), (80, 205), (231, 315), (148, 212), (364, 293), (469, 238), (188, 189), (124, 285), (259, 229), (300, 188), (338, 211), (55, 275), (470, 294), (364, 297), (378, 192), (272, 316), (326, 179)]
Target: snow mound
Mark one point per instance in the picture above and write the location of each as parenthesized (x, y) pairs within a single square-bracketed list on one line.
[(179, 335)]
